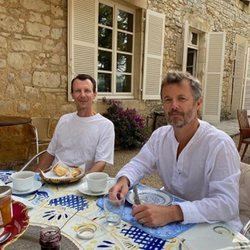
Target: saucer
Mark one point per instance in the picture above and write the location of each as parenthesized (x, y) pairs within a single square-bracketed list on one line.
[(84, 188), (36, 186)]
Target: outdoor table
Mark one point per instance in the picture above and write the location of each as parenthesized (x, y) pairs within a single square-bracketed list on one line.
[(13, 120), (69, 209)]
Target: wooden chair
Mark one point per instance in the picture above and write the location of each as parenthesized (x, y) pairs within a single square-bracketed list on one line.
[(244, 130)]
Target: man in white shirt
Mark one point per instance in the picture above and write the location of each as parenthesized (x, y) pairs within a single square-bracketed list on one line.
[(194, 160), (82, 137)]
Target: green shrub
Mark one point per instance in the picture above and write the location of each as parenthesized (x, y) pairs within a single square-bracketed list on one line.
[(130, 130)]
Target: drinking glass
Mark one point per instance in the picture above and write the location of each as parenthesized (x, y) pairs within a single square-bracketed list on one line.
[(113, 207)]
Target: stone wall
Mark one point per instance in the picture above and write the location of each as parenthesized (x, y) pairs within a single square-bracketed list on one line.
[(33, 50), (33, 58)]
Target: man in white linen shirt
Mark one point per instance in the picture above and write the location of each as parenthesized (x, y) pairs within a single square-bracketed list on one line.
[(83, 136), (194, 160)]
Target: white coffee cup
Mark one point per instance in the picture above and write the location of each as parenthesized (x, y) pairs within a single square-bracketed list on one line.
[(97, 181), (23, 180)]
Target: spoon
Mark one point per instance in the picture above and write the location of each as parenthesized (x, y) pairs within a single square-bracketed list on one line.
[(5, 237)]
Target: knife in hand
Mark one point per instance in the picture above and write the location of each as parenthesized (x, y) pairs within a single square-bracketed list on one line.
[(136, 195)]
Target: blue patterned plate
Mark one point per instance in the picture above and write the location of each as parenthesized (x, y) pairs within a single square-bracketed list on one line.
[(150, 196)]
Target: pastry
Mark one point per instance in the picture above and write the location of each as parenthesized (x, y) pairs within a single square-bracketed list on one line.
[(60, 170), (75, 172)]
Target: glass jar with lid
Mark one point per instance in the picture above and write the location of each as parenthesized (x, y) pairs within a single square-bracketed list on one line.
[(5, 205), (50, 238)]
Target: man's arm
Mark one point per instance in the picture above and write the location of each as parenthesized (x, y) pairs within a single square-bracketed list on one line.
[(97, 167), (45, 162), (157, 215)]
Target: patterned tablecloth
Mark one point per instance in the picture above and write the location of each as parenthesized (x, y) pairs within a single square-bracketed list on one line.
[(67, 208)]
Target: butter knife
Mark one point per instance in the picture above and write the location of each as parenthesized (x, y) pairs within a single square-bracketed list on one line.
[(136, 195)]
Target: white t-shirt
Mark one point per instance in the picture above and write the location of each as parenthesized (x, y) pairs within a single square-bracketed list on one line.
[(79, 140), (206, 173)]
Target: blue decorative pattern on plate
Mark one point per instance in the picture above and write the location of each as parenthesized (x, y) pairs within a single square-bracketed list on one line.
[(150, 196)]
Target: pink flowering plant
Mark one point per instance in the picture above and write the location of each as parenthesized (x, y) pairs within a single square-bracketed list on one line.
[(130, 129)]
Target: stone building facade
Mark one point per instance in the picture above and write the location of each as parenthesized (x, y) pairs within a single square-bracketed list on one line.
[(34, 48)]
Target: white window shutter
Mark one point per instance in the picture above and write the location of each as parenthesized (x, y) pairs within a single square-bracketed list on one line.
[(185, 46), (153, 55), (213, 77), (246, 100), (238, 82), (82, 38)]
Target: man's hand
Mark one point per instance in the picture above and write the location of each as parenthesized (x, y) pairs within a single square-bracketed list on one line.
[(157, 215), (122, 186)]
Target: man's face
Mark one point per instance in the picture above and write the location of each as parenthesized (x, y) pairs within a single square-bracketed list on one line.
[(179, 104), (83, 94)]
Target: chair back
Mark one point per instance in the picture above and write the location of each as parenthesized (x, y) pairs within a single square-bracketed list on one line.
[(42, 125), (242, 118)]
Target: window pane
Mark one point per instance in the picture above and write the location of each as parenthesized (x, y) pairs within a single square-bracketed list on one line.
[(125, 21), (104, 82), (105, 38), (123, 83), (104, 60), (191, 61), (124, 63), (105, 15), (124, 42), (194, 38)]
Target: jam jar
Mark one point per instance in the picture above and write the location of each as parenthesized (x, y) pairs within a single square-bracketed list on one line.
[(5, 205), (50, 238)]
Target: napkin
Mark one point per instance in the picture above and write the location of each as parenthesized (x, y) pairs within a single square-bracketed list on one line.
[(166, 232)]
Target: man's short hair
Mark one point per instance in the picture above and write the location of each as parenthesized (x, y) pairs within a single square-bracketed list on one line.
[(176, 77), (83, 77)]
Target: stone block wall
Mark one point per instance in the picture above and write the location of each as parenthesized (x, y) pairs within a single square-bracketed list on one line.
[(33, 58)]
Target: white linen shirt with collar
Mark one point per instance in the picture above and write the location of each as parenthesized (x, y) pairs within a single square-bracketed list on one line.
[(206, 173), (79, 140)]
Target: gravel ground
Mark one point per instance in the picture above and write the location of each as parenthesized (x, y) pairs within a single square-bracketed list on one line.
[(123, 156)]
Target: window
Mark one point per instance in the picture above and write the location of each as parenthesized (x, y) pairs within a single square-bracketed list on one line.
[(115, 49), (192, 53), (120, 45)]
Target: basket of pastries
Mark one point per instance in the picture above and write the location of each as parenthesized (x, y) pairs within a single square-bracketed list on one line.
[(60, 173)]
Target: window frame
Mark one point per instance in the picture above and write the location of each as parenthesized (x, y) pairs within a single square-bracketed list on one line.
[(194, 47)]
